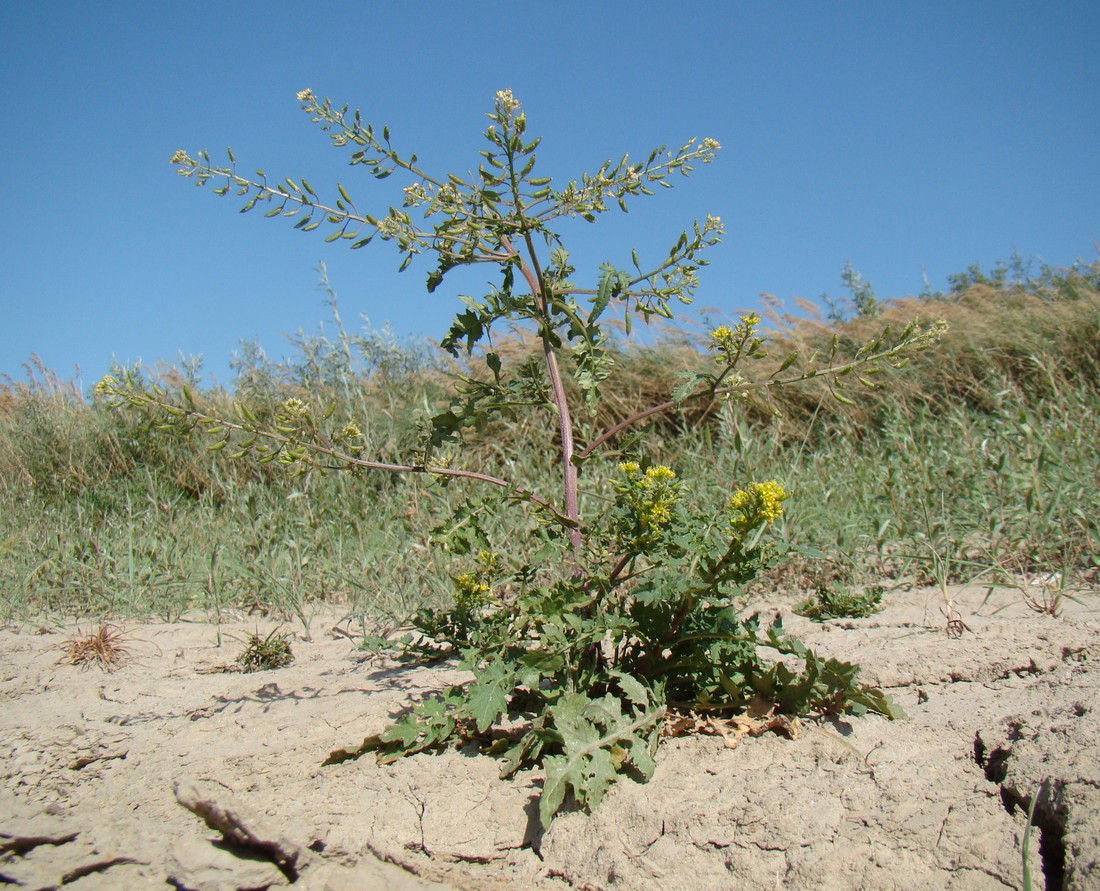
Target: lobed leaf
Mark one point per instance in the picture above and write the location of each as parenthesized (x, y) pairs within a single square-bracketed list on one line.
[(597, 741)]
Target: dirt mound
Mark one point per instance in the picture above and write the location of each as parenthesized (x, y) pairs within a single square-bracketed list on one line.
[(109, 780)]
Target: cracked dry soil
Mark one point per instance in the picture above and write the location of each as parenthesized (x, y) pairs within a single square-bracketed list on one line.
[(160, 775)]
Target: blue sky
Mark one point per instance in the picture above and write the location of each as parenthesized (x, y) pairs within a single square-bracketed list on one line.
[(908, 138)]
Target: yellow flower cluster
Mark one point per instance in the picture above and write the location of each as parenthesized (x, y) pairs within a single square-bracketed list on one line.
[(759, 503), (660, 473), (106, 386), (472, 587), (656, 473), (722, 338), (652, 494), (729, 342), (470, 591)]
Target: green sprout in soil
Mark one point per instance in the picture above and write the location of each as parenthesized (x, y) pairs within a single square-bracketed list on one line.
[(840, 603)]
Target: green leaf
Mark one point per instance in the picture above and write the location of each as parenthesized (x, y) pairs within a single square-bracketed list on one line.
[(608, 279), (597, 741), (594, 365), (526, 751), (690, 385), (468, 326), (487, 697), (635, 691)]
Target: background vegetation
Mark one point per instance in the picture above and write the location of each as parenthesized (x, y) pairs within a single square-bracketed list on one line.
[(981, 459)]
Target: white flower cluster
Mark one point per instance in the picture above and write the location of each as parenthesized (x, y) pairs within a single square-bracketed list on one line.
[(507, 102)]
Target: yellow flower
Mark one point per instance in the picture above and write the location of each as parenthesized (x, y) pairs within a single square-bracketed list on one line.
[(305, 95), (470, 591), (656, 517), (352, 430), (771, 499), (650, 498), (760, 502), (722, 337), (106, 386)]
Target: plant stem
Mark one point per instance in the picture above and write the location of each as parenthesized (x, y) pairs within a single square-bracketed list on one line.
[(557, 390)]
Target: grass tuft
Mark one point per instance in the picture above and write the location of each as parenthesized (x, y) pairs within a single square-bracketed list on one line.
[(104, 649), (266, 653)]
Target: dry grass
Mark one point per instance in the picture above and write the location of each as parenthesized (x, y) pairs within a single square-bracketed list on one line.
[(104, 649)]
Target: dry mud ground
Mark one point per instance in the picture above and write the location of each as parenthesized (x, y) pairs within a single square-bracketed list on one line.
[(92, 765)]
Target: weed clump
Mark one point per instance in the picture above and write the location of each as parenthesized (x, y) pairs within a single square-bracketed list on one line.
[(840, 603), (266, 653), (104, 649)]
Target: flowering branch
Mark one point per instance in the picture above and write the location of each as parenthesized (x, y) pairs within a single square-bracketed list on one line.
[(297, 437)]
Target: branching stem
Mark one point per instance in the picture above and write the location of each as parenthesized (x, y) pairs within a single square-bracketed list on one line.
[(744, 387)]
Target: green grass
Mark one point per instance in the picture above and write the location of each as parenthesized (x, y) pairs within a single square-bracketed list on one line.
[(982, 456)]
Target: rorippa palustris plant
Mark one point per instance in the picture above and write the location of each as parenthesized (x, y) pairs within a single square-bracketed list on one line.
[(588, 632)]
